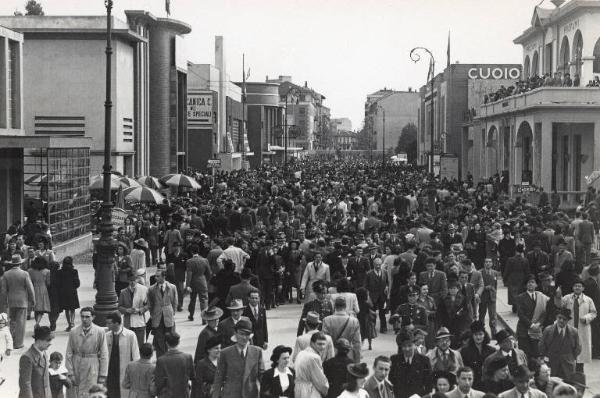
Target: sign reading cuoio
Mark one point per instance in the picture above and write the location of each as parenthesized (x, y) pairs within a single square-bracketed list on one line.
[(495, 72)]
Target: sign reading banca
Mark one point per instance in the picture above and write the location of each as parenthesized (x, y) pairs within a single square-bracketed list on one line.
[(200, 108), (499, 72)]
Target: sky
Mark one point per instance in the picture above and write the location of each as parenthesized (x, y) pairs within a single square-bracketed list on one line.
[(344, 49)]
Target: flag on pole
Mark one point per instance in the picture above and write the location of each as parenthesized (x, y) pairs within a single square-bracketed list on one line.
[(168, 7), (448, 50)]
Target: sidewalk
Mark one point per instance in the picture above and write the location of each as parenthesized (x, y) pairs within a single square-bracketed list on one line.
[(506, 318)]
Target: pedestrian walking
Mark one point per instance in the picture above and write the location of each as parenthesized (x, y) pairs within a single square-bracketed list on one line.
[(377, 284), (279, 380), (464, 385), (227, 326), (315, 271), (340, 324), (311, 381), (6, 343), (162, 304), (59, 376), (378, 385), (335, 368), (198, 273), (560, 346), (174, 372), (133, 304), (40, 278), (211, 316), (86, 356), (320, 305), (34, 378), (258, 316), (206, 367), (139, 375), (16, 291), (410, 372), (122, 345), (312, 324), (69, 283)]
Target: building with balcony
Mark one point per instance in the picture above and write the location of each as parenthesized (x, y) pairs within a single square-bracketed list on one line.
[(400, 108), (344, 140), (457, 93), (549, 136)]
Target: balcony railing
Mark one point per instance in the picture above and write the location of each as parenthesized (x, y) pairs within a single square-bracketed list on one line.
[(543, 97)]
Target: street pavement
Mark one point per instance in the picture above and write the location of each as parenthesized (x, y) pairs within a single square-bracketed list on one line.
[(282, 323)]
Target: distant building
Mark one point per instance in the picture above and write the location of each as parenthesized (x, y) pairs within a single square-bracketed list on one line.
[(341, 123), (460, 88), (344, 140), (548, 136), (400, 108)]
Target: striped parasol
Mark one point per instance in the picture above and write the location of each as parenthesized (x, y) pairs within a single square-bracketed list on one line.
[(142, 194), (129, 182), (151, 182), (97, 181), (180, 181), (39, 179)]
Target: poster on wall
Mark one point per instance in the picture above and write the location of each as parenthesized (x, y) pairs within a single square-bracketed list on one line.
[(449, 167), (200, 108)]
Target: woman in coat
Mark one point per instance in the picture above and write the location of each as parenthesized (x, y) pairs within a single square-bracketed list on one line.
[(40, 278), (123, 262), (54, 293), (278, 381), (453, 313), (69, 283), (207, 367)]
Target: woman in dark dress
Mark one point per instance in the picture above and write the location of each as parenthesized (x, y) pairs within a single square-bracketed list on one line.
[(453, 313), (476, 351), (69, 283), (279, 380), (366, 316), (54, 293), (207, 367)]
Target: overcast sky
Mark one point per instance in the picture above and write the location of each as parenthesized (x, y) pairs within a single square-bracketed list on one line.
[(345, 49)]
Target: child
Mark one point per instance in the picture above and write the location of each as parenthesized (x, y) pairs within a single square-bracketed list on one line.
[(58, 375), (6, 342), (139, 375)]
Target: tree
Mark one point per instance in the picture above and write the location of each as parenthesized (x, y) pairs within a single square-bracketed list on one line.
[(32, 7), (407, 142)]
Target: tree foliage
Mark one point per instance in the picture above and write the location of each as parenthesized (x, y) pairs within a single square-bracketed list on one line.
[(407, 142), (32, 7)]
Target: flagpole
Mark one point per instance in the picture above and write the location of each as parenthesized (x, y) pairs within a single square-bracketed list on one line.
[(416, 58)]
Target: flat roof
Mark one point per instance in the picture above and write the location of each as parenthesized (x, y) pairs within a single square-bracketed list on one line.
[(179, 27), (43, 141)]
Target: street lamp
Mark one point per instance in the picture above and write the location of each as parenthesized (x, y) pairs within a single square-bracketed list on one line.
[(414, 55), (383, 137), (106, 298), (295, 93)]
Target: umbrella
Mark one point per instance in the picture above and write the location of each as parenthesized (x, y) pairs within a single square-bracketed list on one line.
[(180, 181), (151, 182), (38, 179), (143, 194), (97, 182), (129, 182)]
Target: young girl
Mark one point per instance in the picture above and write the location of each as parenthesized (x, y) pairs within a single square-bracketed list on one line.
[(58, 375), (6, 342)]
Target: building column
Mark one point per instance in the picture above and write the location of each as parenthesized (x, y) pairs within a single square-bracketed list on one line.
[(545, 150)]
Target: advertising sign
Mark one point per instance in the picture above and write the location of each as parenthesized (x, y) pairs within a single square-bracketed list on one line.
[(500, 72), (449, 167), (200, 108)]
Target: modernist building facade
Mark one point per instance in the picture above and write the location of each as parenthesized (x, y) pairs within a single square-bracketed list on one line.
[(458, 92), (548, 137)]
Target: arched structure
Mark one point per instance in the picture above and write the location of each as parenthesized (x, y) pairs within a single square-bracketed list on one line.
[(535, 62), (597, 57), (524, 153), (577, 53), (565, 56), (526, 66), (491, 152)]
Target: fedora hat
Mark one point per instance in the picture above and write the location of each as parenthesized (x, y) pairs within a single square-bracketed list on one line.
[(477, 326), (212, 313), (442, 332), (313, 318), (243, 326), (521, 373), (236, 304), (16, 259), (502, 335), (141, 242), (358, 370)]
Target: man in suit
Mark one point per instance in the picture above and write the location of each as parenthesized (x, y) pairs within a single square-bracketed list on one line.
[(434, 279), (559, 346), (539, 261), (468, 292), (258, 316), (487, 302), (241, 290), (34, 380), (162, 304), (211, 316), (592, 290), (442, 357), (506, 343), (410, 373), (475, 278), (122, 349), (321, 305), (174, 371), (335, 368), (133, 304), (312, 324), (240, 366), (16, 290), (265, 270), (316, 270), (378, 385), (377, 285), (515, 273), (531, 309), (584, 237), (198, 274), (340, 324), (464, 384), (226, 327), (522, 381), (358, 267)]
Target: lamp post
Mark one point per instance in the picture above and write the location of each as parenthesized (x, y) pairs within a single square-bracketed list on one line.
[(414, 55), (106, 298), (294, 92), (383, 137)]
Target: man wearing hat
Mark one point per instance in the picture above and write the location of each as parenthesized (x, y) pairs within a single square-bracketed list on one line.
[(358, 266), (335, 368), (521, 378), (312, 324), (227, 326), (211, 316), (583, 312), (340, 324), (506, 343), (435, 279), (34, 379), (16, 290), (531, 310), (560, 346), (240, 366), (133, 304), (450, 238), (442, 357), (320, 304), (162, 304), (410, 315), (514, 275), (410, 372)]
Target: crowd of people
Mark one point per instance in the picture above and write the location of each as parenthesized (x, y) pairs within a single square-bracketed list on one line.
[(366, 250)]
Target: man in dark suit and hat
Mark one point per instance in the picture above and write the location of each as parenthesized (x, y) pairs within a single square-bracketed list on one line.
[(410, 372), (560, 346), (321, 305), (34, 379), (514, 356)]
